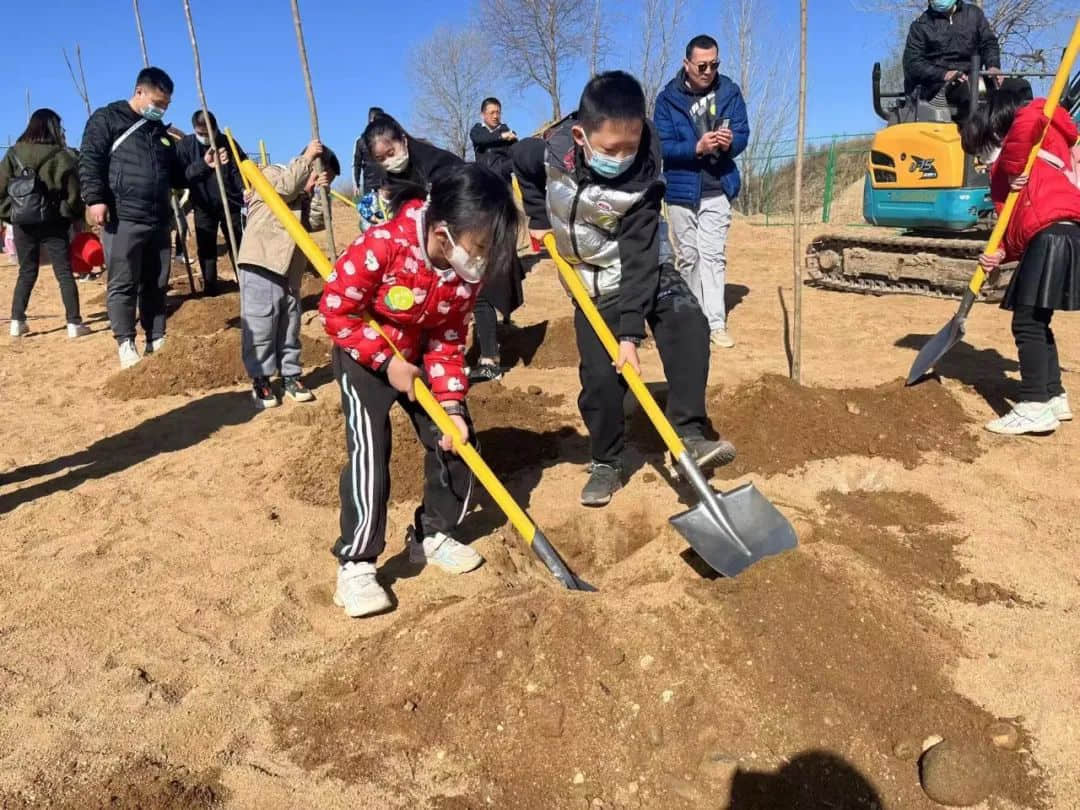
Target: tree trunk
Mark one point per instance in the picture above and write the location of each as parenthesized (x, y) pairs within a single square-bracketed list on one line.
[(142, 38), (797, 249)]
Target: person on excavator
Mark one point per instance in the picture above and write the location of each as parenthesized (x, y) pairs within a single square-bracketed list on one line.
[(940, 45)]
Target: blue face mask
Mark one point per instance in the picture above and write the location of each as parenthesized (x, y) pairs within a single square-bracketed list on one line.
[(942, 6), (605, 165), (152, 113)]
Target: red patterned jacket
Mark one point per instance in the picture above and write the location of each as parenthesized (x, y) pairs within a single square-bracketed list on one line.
[(424, 310)]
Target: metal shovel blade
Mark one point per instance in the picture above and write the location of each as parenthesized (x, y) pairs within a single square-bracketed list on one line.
[(757, 530), (940, 344)]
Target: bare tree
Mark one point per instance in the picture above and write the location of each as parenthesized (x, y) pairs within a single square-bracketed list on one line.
[(449, 89), (661, 25), (142, 37), (797, 248), (600, 42), (80, 80), (754, 51), (537, 41)]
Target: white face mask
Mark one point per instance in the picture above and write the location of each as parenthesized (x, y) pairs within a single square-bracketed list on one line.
[(469, 268), (396, 164), (991, 155), (203, 139)]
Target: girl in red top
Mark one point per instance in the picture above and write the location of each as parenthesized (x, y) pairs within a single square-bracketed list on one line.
[(1043, 235), (418, 276)]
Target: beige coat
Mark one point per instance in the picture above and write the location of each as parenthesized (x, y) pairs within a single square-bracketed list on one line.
[(266, 243)]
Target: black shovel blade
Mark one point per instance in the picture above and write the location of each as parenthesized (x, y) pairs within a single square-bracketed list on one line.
[(939, 345), (760, 530)]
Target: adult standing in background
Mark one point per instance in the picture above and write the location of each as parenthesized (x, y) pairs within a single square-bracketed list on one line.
[(39, 196), (701, 119), (492, 139), (198, 158), (127, 168)]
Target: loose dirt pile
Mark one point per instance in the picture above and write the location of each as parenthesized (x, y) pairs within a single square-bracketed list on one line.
[(544, 345), (516, 699), (516, 431), (203, 316), (777, 426)]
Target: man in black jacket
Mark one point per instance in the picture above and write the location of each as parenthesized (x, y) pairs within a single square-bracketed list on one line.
[(367, 176), (492, 139), (940, 45), (198, 158), (127, 169)]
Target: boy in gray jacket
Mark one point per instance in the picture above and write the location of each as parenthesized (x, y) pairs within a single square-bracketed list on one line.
[(271, 268)]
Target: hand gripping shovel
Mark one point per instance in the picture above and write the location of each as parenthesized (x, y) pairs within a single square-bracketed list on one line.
[(953, 332), (728, 530), (517, 516)]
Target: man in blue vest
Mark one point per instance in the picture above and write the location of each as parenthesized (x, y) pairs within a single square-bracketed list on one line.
[(700, 117)]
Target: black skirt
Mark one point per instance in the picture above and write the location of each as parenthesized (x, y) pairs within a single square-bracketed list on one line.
[(1049, 273)]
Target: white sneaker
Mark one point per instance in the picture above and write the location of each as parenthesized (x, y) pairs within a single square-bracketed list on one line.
[(359, 592), (155, 345), (129, 355), (445, 552), (78, 330), (19, 328), (721, 339), (1060, 406), (1026, 417)]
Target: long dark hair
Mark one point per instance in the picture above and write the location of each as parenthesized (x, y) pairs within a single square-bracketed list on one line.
[(470, 197), (383, 126), (43, 127), (987, 126)]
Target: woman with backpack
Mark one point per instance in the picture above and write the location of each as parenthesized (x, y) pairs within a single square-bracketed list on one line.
[(39, 196), (1043, 235)]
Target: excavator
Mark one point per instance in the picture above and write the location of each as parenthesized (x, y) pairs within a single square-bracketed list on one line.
[(920, 182)]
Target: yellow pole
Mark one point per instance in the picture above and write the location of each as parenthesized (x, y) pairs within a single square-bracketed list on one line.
[(264, 161), (236, 156), (1052, 99), (343, 198), (633, 379), (427, 400)]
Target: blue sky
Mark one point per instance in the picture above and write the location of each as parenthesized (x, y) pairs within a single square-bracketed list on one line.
[(362, 54)]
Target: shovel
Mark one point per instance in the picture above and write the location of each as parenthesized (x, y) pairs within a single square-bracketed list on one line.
[(517, 516), (728, 530), (953, 332)]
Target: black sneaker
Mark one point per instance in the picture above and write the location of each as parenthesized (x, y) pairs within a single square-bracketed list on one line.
[(296, 390), (604, 481), (485, 372), (263, 394), (708, 453)]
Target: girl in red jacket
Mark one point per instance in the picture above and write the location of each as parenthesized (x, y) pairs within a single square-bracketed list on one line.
[(1043, 235), (418, 276)]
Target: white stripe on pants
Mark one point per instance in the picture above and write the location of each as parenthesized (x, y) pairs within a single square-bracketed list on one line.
[(361, 464), (701, 246)]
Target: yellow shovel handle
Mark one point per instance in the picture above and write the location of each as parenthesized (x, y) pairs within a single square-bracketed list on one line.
[(343, 198), (236, 156), (525, 527), (633, 379), (264, 159), (1052, 100)]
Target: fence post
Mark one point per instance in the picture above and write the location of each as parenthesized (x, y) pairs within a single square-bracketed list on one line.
[(830, 177)]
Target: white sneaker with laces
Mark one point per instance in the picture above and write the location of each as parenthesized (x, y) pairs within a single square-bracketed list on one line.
[(129, 355), (1026, 417), (77, 330), (445, 552), (1060, 406), (19, 328), (358, 592), (721, 339)]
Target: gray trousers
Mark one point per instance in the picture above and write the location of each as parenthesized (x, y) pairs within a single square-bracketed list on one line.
[(138, 261), (701, 246), (270, 322)]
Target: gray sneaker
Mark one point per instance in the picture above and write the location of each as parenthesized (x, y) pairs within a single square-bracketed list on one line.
[(358, 592), (604, 481), (708, 453)]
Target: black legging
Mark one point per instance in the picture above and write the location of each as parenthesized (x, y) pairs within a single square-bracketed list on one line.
[(487, 321), (1040, 373), (56, 239)]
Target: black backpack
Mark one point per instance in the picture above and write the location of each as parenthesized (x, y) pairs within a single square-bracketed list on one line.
[(31, 202)]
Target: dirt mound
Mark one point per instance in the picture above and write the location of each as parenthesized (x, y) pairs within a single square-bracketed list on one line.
[(203, 316), (544, 345), (136, 785), (777, 426), (513, 700), (516, 430)]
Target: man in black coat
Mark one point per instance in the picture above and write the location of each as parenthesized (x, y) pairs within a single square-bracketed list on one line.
[(127, 169), (492, 139), (367, 176), (197, 158), (939, 48)]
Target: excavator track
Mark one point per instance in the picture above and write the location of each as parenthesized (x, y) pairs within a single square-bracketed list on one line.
[(899, 265)]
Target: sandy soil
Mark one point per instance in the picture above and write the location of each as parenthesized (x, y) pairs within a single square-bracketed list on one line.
[(167, 637)]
